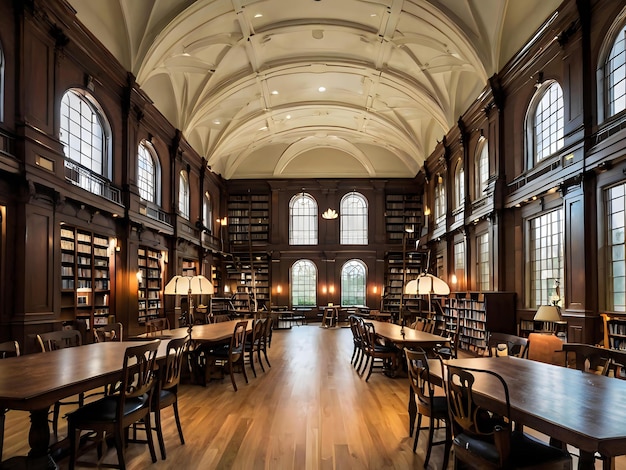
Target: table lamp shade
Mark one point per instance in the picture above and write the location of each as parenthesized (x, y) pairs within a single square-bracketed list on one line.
[(194, 285), (548, 313), (427, 284)]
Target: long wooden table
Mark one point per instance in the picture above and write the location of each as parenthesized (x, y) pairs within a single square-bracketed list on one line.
[(209, 333), (405, 336), (584, 410), (34, 382)]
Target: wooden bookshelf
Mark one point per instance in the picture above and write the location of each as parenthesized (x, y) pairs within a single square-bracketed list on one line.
[(614, 328), (150, 289), (248, 219), (402, 210), (479, 313), (85, 276)]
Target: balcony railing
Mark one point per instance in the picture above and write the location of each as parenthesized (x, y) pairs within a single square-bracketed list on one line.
[(90, 181)]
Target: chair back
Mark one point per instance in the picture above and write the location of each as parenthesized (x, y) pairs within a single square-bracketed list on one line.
[(154, 326), (368, 334), (59, 340), (419, 376), (112, 332), (238, 341), (468, 417), (220, 318), (9, 349), (169, 374), (587, 358), (137, 375), (353, 321), (268, 322), (258, 328), (545, 348), (502, 344)]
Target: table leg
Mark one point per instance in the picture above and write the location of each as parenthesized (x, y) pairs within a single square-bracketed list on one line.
[(39, 440), (412, 410)]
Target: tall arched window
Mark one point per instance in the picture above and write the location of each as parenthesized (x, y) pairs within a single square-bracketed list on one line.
[(183, 195), (85, 134), (440, 200), (302, 220), (207, 211), (303, 284), (615, 75), (459, 186), (482, 167), (353, 283), (354, 215), (148, 173), (545, 123)]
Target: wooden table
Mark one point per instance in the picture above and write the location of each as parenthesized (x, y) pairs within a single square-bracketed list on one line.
[(208, 333), (584, 410), (410, 338), (34, 382)]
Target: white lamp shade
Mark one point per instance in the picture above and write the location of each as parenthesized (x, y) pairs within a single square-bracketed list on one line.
[(427, 284), (549, 313), (184, 285)]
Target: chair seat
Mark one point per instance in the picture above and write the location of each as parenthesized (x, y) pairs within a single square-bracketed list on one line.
[(438, 407), (166, 398), (105, 409), (526, 451)]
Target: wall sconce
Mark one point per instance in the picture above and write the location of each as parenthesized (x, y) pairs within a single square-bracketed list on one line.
[(426, 211), (439, 179), (375, 289), (453, 279), (139, 277), (223, 221), (331, 289), (324, 290), (330, 214), (279, 289), (226, 289)]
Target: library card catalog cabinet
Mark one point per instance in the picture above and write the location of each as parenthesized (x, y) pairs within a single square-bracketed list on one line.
[(479, 313)]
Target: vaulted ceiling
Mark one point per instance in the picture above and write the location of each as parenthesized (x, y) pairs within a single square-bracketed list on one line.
[(313, 88)]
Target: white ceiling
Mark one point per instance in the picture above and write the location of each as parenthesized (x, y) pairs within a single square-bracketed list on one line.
[(241, 78)]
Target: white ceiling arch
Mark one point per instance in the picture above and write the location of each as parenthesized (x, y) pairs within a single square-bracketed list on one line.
[(241, 78)]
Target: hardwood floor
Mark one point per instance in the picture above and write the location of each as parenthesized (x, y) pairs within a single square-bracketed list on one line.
[(309, 411)]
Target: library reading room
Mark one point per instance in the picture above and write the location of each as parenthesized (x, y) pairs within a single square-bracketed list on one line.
[(312, 234)]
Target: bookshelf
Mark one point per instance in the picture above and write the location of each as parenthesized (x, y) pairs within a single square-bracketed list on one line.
[(477, 314), (248, 219), (150, 285), (394, 280), (402, 210), (85, 276), (614, 328), (248, 278)]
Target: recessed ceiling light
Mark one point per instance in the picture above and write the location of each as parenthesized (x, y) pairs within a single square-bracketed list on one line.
[(274, 92), (217, 121), (321, 89), (264, 128), (259, 15), (288, 116)]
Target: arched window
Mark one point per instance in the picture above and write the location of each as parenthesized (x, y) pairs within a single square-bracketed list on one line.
[(303, 284), (482, 167), (85, 134), (148, 173), (207, 211), (615, 75), (302, 220), (545, 123), (440, 200), (459, 186), (354, 216), (353, 282), (183, 195)]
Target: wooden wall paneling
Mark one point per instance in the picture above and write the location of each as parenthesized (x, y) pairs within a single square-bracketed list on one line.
[(39, 276)]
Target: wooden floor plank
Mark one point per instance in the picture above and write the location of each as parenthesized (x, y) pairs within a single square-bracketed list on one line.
[(309, 411)]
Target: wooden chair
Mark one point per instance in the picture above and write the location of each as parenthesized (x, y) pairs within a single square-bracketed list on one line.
[(231, 355), (503, 344), (59, 340), (113, 414), (268, 323), (429, 404), (386, 355), (111, 332), (357, 340), (166, 393), (485, 440), (254, 344), (7, 349), (156, 326), (220, 318), (545, 348), (587, 358)]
